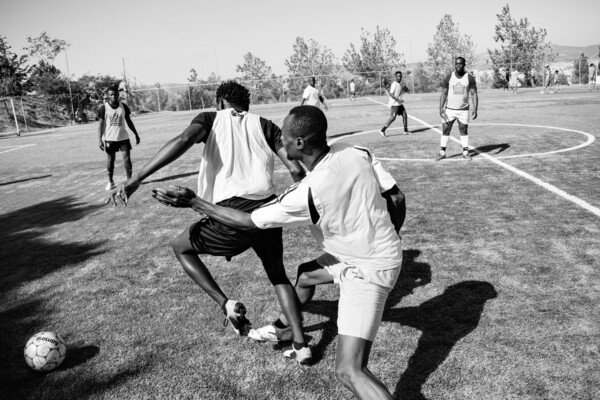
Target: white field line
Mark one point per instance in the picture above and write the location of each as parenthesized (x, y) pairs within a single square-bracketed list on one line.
[(12, 148), (581, 203)]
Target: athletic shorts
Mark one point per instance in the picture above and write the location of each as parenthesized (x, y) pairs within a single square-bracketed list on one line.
[(399, 110), (209, 236), (121, 145), (362, 296), (461, 115)]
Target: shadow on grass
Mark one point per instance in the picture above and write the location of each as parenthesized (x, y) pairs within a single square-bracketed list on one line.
[(342, 134), (27, 254), (412, 275), (444, 320), (25, 180), (499, 148), (170, 178)]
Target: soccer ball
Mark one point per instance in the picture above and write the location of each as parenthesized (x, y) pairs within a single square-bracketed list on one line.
[(45, 351)]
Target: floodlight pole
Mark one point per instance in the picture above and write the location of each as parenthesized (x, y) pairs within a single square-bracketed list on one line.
[(69, 84)]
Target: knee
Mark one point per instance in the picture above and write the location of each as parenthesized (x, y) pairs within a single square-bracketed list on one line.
[(276, 274), (181, 243), (345, 374)]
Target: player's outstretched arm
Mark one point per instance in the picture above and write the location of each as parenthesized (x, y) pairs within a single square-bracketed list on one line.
[(177, 196), (396, 204), (171, 151)]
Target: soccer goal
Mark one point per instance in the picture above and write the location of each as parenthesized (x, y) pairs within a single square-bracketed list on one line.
[(8, 116)]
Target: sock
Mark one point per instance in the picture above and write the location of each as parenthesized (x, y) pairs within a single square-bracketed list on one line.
[(444, 141), (279, 324), (298, 346), (442, 150), (465, 150), (464, 140)]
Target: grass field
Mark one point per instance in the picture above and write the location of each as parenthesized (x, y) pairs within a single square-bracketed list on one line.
[(499, 295)]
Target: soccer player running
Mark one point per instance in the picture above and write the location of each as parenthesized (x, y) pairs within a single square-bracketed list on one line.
[(355, 210), (312, 96), (396, 105), (112, 134), (454, 105), (236, 171)]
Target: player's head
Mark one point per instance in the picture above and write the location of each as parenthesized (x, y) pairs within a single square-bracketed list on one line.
[(556, 72), (592, 64), (112, 94), (233, 93), (312, 81), (398, 76), (304, 130), (459, 64)]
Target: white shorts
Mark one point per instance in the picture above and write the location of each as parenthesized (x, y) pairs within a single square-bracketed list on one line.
[(362, 296), (461, 115)]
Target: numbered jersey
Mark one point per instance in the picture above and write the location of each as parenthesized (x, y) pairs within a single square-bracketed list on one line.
[(458, 90)]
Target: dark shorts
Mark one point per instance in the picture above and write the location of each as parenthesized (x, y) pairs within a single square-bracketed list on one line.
[(398, 109), (208, 236), (121, 145)]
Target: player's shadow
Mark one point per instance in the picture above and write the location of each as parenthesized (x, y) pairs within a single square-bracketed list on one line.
[(489, 148), (342, 134), (170, 178), (443, 320), (25, 180), (412, 275), (77, 355)]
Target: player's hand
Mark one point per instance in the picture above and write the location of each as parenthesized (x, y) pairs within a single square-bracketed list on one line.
[(474, 114), (101, 145), (444, 116), (137, 139), (174, 196), (122, 192)]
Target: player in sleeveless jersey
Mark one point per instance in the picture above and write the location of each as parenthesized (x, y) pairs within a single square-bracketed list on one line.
[(113, 136), (236, 171), (355, 210), (396, 104), (454, 105)]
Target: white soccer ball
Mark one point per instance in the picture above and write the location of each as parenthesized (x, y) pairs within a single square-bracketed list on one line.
[(45, 351)]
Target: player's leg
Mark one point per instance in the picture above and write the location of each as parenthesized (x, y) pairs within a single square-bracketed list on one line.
[(352, 356), (446, 128), (392, 118), (268, 246), (404, 119), (110, 164), (464, 138), (126, 154)]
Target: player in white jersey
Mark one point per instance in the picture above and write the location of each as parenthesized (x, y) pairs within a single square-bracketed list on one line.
[(113, 136), (312, 96), (352, 90), (396, 105), (355, 210), (592, 76), (236, 171), (454, 105)]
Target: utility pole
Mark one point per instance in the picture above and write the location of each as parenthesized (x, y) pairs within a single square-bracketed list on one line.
[(69, 84)]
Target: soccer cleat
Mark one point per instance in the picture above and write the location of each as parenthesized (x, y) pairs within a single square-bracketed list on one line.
[(467, 157), (271, 333), (302, 356), (382, 133), (110, 186), (236, 315), (440, 157)]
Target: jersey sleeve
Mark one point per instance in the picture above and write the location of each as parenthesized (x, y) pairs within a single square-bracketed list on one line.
[(272, 134), (385, 179), (292, 208), (101, 112), (206, 119)]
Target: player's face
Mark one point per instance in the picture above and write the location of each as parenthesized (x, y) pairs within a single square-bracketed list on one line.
[(113, 97), (312, 82), (459, 66), (398, 77)]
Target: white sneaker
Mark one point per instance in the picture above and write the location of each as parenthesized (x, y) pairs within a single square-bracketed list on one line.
[(271, 333), (236, 315), (302, 356), (110, 186), (382, 133)]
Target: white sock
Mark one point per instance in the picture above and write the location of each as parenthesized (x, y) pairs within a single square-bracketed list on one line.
[(444, 141), (464, 140)]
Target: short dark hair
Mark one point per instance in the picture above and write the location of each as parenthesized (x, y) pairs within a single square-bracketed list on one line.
[(234, 93), (398, 72), (460, 58), (114, 88), (310, 124)]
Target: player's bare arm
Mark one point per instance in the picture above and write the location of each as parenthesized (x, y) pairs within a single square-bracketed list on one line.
[(396, 205), (132, 128), (322, 100), (475, 97), (443, 101), (101, 128), (178, 196), (170, 152), (293, 166)]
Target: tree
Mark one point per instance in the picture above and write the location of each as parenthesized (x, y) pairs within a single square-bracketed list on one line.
[(310, 59), (521, 46), (580, 69), (448, 43), (13, 71), (377, 53), (44, 48), (257, 72)]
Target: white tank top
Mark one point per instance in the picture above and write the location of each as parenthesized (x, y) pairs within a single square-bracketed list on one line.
[(237, 160), (115, 123), (458, 92)]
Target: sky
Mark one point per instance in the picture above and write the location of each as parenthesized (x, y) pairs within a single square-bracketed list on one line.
[(160, 41)]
